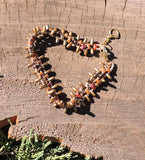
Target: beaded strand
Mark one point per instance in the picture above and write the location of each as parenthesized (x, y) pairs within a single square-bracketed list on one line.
[(82, 93)]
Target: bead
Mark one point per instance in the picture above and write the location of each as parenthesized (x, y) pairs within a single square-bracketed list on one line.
[(97, 70), (97, 81), (85, 40), (41, 57), (48, 71), (86, 52), (45, 64), (31, 64), (55, 86), (70, 33), (82, 47), (57, 40), (75, 109), (72, 100), (37, 80), (28, 55), (51, 78), (46, 76), (65, 110), (48, 89), (103, 70), (52, 32), (80, 42), (88, 99), (60, 103), (47, 27), (78, 49), (87, 91), (62, 31), (92, 93), (69, 45), (34, 31), (43, 30), (81, 85), (78, 95), (78, 37), (72, 95), (91, 75), (88, 45), (75, 90), (108, 70), (69, 39), (64, 42), (92, 51), (95, 47), (40, 73), (108, 76), (37, 29), (91, 42), (51, 92), (103, 80), (59, 92), (42, 86), (66, 35), (52, 99), (93, 87)]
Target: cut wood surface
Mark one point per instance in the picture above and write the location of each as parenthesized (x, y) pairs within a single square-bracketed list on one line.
[(114, 125)]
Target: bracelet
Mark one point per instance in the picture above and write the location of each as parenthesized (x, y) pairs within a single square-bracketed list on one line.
[(79, 96)]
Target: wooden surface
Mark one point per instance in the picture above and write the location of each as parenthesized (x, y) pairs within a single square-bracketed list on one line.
[(114, 125)]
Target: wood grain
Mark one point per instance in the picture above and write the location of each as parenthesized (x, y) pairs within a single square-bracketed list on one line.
[(114, 126)]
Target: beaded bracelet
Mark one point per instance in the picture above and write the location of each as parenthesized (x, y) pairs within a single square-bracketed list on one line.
[(81, 95)]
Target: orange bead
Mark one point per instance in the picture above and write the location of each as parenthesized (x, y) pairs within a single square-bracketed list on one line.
[(48, 89), (66, 35), (46, 76), (40, 73), (87, 91), (98, 81), (108, 70), (88, 45), (80, 42), (103, 70), (72, 100), (69, 39)]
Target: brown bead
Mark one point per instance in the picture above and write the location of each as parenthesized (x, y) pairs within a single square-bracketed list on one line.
[(88, 99), (76, 90), (92, 93), (69, 45)]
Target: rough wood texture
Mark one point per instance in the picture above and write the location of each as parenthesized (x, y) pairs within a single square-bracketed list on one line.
[(115, 125)]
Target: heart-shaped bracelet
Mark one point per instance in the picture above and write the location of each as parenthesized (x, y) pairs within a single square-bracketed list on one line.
[(81, 95)]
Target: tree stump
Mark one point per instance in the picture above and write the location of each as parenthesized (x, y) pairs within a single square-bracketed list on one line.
[(114, 125)]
